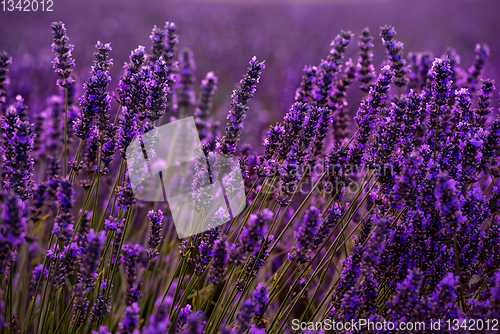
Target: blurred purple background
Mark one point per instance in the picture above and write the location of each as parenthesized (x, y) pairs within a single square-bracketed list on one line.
[(224, 35)]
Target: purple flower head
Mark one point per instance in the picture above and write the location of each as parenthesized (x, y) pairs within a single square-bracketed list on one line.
[(375, 246), (259, 256), (95, 102), (182, 318), (366, 114), (155, 237), (250, 236), (195, 323), (239, 107), (305, 236), (102, 330), (445, 297), (63, 226), (13, 226), (171, 41), (220, 256), (272, 142), (326, 226), (303, 93), (338, 103), (101, 306), (37, 275), (17, 160), (90, 259), (157, 37), (130, 320), (482, 53), (205, 249), (63, 63), (394, 50), (244, 318), (289, 177), (157, 86), (448, 202), (483, 102), (66, 264), (202, 113), (159, 322), (261, 297), (406, 296), (132, 93), (5, 60), (292, 124), (130, 258), (365, 71), (186, 79)]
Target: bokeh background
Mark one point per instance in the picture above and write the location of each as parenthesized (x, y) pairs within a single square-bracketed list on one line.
[(224, 35)]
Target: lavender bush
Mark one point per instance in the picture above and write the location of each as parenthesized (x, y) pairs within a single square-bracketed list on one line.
[(392, 218)]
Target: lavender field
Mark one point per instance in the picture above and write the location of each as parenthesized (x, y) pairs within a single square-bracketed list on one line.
[(368, 139)]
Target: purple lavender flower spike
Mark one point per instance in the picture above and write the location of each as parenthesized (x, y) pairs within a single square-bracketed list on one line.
[(90, 259), (250, 236), (154, 238), (182, 318), (305, 236), (375, 246), (132, 94), (171, 41), (272, 143), (259, 256), (449, 202), (186, 79), (483, 111), (303, 93), (195, 323), (338, 102), (220, 256), (326, 226), (406, 296), (63, 226), (158, 89), (365, 71), (130, 320), (445, 297), (261, 298), (13, 226), (202, 117), (38, 274), (244, 318), (240, 98), (5, 60), (440, 96), (66, 265), (366, 114), (101, 306), (126, 198), (292, 124), (159, 322), (102, 330), (406, 184), (205, 249), (482, 53), (18, 141), (394, 50), (95, 102), (130, 256), (63, 63), (157, 37)]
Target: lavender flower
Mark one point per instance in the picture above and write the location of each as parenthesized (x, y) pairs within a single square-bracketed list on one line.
[(304, 92), (305, 236), (220, 256), (240, 98), (158, 38), (449, 202), (340, 115), (102, 305), (261, 298), (18, 141), (406, 296), (245, 316), (63, 63), (365, 72), (159, 322), (95, 102), (154, 238), (195, 323), (5, 60), (66, 261), (130, 256), (289, 178), (89, 260), (186, 79), (482, 52), (132, 94), (202, 117), (483, 101), (250, 236), (12, 231), (130, 320), (182, 318), (326, 226), (63, 226), (38, 274), (157, 86), (394, 50)]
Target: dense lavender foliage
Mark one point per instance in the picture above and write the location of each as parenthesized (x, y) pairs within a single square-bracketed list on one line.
[(389, 216)]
